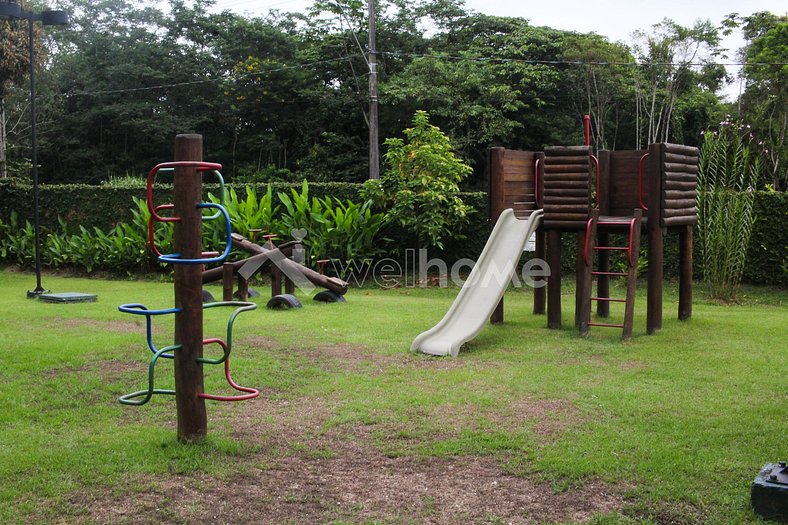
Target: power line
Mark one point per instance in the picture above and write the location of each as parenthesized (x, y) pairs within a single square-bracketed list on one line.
[(573, 62), (204, 81), (416, 55)]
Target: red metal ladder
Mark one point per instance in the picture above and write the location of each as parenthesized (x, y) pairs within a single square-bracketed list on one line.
[(627, 224)]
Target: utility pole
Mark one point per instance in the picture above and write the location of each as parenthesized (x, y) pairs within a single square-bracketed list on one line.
[(374, 152)]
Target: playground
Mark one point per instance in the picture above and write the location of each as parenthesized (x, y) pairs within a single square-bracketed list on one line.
[(527, 425)]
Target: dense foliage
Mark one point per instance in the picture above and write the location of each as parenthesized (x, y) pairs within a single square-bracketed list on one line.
[(421, 189), (729, 167), (286, 94)]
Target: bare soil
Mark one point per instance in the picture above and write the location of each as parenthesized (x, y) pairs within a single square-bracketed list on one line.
[(304, 470)]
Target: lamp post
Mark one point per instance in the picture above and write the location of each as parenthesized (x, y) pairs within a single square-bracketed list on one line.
[(12, 10)]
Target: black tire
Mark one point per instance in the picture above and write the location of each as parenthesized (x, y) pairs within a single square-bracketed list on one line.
[(250, 293), (327, 296), (284, 301)]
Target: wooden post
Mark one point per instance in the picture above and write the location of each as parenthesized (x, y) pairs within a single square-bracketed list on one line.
[(496, 205), (584, 280), (685, 273), (655, 240), (581, 276), (554, 281), (228, 269), (187, 187), (276, 281), (243, 288), (540, 293)]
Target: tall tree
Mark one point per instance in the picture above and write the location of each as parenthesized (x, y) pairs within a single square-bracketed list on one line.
[(670, 57), (14, 67), (765, 100), (600, 76)]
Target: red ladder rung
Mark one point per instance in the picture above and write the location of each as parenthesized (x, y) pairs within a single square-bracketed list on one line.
[(608, 299), (609, 273), (607, 325)]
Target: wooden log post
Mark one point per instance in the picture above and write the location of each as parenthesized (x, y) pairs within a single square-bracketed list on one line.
[(655, 240), (187, 187), (496, 205), (685, 273), (554, 281), (228, 270), (540, 293), (584, 276)]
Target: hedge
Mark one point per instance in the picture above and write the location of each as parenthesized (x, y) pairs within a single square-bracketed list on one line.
[(106, 206)]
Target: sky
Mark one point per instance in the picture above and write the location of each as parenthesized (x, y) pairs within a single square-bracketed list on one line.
[(614, 19)]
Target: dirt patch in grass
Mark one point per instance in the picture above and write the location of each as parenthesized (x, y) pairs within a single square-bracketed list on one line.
[(355, 484), (550, 417), (305, 468), (110, 370), (335, 357), (136, 326)]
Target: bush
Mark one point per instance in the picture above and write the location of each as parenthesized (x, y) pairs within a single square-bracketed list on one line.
[(420, 189), (728, 170)]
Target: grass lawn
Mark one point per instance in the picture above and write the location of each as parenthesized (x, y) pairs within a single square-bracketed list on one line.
[(527, 425)]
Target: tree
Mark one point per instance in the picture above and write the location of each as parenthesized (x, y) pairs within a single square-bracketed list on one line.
[(600, 80), (669, 57), (420, 188), (764, 103), (484, 81), (14, 66)]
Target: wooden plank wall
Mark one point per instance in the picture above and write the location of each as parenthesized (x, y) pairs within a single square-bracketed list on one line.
[(511, 181), (622, 185), (567, 187), (679, 185)]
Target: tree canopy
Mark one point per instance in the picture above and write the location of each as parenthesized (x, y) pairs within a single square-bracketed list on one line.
[(286, 95)]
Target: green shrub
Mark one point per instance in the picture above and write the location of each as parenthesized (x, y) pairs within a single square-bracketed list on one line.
[(420, 189), (729, 168)]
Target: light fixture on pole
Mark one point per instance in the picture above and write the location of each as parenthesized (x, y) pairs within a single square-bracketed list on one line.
[(12, 10)]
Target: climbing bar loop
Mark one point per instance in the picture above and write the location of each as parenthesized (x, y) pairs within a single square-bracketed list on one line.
[(175, 258), (169, 167), (128, 399), (140, 309), (243, 306)]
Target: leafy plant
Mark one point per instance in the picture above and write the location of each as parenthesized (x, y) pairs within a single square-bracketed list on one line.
[(420, 189), (729, 167)]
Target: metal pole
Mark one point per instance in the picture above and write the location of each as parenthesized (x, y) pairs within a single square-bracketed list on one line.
[(34, 154), (374, 153)]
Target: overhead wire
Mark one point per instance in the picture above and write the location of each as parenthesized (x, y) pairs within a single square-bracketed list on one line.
[(362, 55)]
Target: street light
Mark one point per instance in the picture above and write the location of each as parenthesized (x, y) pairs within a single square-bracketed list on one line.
[(11, 10)]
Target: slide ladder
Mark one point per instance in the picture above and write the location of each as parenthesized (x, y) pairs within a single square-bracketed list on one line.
[(630, 225)]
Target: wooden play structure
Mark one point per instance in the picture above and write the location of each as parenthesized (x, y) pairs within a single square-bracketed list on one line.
[(278, 261), (620, 192)]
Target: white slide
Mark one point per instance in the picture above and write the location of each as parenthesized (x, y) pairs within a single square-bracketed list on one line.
[(484, 288)]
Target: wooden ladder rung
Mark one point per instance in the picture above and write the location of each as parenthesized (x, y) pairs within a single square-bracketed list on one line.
[(608, 299), (607, 325)]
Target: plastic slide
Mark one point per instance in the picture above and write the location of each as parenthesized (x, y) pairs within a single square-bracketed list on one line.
[(484, 287)]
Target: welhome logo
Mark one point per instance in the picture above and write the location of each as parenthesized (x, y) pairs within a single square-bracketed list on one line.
[(414, 272)]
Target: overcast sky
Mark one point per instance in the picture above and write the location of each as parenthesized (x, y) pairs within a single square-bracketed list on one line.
[(614, 19)]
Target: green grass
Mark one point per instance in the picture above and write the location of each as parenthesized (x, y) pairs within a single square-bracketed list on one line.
[(680, 421)]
